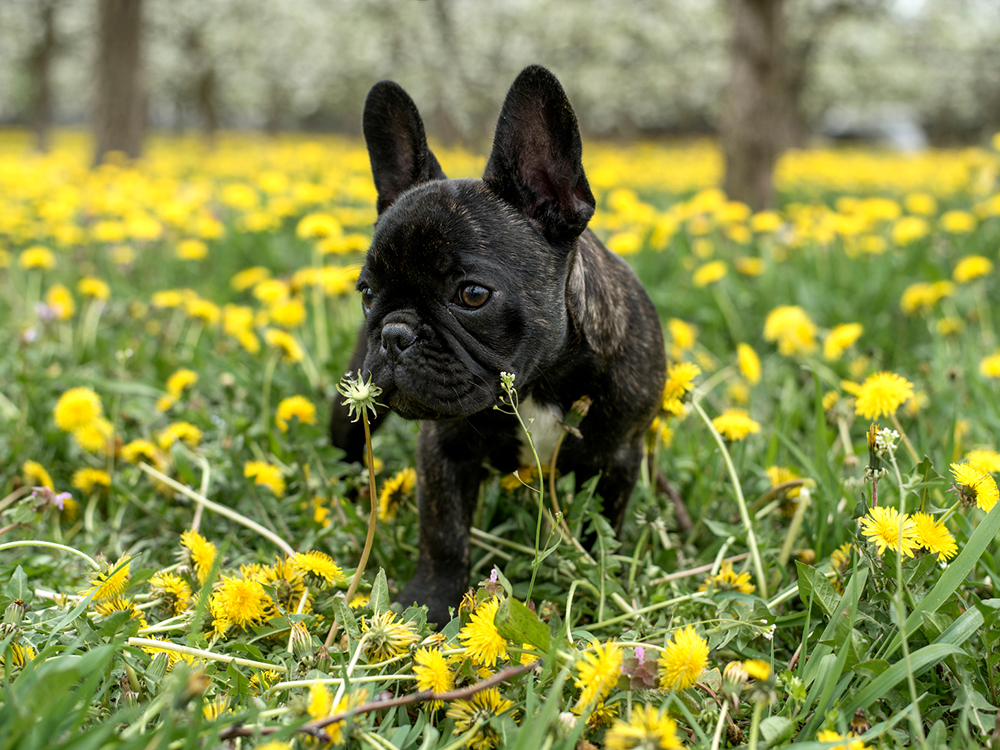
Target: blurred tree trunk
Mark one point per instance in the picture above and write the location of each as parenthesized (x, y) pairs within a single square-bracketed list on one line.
[(40, 65), (205, 93), (752, 121), (119, 116)]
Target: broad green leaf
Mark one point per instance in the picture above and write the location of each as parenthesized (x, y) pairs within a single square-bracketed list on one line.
[(953, 576), (342, 611), (920, 660), (517, 623), (379, 598), (17, 587), (824, 595), (775, 729), (873, 668)]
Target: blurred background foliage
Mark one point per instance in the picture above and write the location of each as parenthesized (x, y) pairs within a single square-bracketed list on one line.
[(646, 67)]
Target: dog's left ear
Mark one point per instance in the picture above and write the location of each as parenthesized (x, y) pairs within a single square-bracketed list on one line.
[(536, 161), (397, 146)]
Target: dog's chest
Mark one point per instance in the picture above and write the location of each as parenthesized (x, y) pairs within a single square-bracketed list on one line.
[(545, 423)]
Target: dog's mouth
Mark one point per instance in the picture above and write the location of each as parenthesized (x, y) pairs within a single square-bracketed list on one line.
[(428, 396)]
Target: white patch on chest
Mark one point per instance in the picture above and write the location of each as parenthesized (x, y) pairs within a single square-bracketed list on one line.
[(545, 423)]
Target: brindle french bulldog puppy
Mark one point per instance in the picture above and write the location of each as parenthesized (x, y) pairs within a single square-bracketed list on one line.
[(468, 278)]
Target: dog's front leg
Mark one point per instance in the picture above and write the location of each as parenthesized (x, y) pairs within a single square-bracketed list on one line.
[(449, 469)]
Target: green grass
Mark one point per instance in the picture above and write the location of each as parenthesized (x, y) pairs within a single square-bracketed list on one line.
[(904, 651)]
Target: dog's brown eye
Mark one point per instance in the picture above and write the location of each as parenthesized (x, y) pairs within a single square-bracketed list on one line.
[(473, 295), (366, 297)]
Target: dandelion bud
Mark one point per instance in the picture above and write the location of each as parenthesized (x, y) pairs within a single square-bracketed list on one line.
[(567, 723), (14, 614), (323, 660), (157, 668), (734, 677), (301, 641)]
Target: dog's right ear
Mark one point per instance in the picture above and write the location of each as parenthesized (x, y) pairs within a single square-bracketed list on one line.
[(397, 146)]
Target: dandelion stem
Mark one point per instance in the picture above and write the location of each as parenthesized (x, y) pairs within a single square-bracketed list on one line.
[(740, 501), (758, 709), (202, 653), (37, 543), (222, 510), (717, 735), (372, 515)]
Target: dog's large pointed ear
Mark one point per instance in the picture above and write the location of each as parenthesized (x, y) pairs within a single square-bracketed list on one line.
[(397, 146), (536, 160)]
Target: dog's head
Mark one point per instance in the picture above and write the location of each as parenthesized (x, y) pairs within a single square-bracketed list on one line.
[(466, 279)]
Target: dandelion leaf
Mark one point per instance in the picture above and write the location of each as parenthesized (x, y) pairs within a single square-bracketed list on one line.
[(17, 587), (517, 623), (342, 611), (380, 594)]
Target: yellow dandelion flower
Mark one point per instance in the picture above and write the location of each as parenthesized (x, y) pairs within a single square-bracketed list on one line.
[(881, 394), (94, 437), (728, 580), (320, 703), (972, 267), (319, 566), (682, 334), (478, 710), (295, 406), (828, 735), (482, 642), (204, 310), (249, 277), (285, 343), (289, 313), (201, 552), (110, 583), (984, 459), (77, 408), (216, 708), (19, 655), (683, 659), (748, 362), (886, 527), (934, 536), (317, 226), (36, 475), (598, 670), (989, 367), (239, 602), (646, 729), (757, 669), (735, 424), (976, 485), (60, 299), (433, 673), (140, 449), (395, 489), (388, 636), (87, 478), (288, 583), (181, 380), (106, 607), (791, 328), (839, 339), (958, 222), (37, 257), (265, 474), (709, 273), (172, 590), (840, 558), (779, 474), (89, 286), (680, 380), (183, 431), (749, 266), (192, 250)]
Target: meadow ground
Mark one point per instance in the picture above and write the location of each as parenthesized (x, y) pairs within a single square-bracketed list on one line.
[(810, 553)]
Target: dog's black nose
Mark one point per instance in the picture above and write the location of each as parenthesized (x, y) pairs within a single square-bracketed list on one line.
[(395, 338)]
